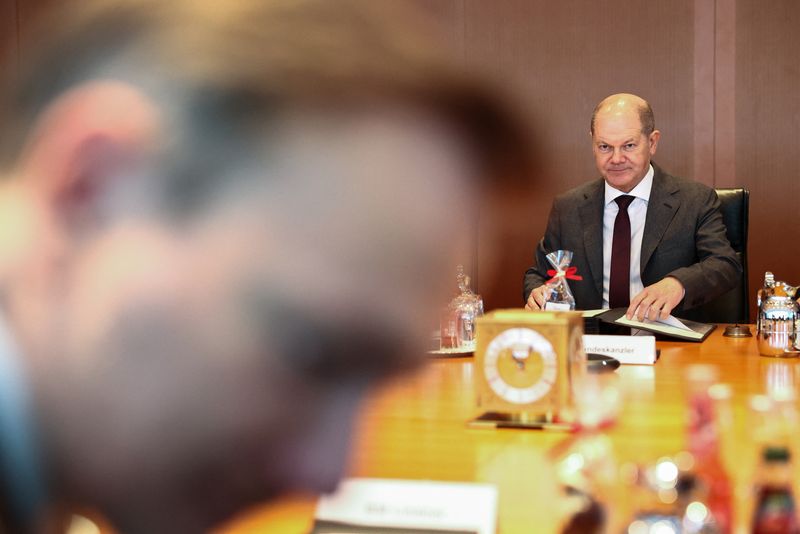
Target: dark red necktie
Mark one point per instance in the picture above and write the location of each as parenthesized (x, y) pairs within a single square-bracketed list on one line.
[(619, 287)]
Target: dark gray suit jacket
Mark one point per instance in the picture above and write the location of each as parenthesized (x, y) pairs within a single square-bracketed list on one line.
[(684, 237)]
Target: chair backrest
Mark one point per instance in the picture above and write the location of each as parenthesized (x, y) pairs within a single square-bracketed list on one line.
[(733, 306)]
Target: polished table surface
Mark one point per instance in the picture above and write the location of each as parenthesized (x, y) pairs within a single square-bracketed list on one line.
[(415, 428)]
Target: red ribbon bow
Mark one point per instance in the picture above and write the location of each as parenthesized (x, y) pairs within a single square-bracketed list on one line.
[(569, 274)]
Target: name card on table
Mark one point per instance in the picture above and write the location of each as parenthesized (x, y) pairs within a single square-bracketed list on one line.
[(639, 350), (363, 505)]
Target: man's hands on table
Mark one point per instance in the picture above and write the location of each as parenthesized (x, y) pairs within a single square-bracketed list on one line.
[(653, 302), (656, 301), (536, 298)]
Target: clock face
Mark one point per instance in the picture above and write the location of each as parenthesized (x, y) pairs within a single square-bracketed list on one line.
[(520, 365)]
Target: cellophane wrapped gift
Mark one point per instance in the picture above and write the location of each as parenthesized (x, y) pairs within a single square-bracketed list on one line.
[(558, 296)]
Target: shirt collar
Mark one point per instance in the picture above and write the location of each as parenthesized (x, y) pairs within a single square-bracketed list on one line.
[(642, 190)]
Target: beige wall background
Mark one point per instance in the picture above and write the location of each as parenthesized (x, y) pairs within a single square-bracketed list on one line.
[(723, 77)]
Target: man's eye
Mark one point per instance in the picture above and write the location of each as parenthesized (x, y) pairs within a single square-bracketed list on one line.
[(603, 148), (630, 146)]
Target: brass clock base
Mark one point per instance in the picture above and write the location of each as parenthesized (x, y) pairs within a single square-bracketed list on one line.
[(521, 421)]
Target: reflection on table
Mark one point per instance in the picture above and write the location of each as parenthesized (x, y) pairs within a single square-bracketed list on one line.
[(415, 428)]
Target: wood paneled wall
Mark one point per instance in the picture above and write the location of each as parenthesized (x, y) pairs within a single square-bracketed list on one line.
[(723, 77), (767, 136), (8, 38), (17, 22)]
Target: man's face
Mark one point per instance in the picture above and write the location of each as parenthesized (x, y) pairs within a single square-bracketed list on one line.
[(621, 151), (348, 227)]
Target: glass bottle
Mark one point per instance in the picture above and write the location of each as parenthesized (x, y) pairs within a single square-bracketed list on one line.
[(775, 508), (704, 444), (585, 463), (467, 307)]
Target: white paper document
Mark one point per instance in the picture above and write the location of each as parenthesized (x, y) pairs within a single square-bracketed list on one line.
[(410, 504), (669, 321), (670, 325), (593, 313)]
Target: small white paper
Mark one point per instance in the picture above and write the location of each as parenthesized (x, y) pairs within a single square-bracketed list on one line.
[(629, 350), (412, 504), (556, 306), (669, 321)]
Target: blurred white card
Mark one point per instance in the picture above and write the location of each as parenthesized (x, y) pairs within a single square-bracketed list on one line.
[(370, 505), (629, 350)]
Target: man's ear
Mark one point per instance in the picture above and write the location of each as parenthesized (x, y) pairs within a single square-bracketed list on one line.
[(84, 139), (653, 140)]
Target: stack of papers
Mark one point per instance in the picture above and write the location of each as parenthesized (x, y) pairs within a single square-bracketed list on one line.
[(671, 326)]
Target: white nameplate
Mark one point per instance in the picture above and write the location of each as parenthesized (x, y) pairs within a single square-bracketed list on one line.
[(409, 504), (627, 349)]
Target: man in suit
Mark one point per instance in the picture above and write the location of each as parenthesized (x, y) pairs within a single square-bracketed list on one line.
[(642, 239)]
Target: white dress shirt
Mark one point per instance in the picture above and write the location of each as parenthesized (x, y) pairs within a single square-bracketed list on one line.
[(637, 211)]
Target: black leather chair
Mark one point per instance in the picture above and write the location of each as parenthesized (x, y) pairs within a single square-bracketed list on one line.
[(733, 306)]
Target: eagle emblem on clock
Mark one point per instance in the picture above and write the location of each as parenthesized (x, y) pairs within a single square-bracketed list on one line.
[(520, 365)]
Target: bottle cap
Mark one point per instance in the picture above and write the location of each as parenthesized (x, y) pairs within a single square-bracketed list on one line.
[(776, 454)]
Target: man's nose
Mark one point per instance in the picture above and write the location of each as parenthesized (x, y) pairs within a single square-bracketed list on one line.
[(617, 156)]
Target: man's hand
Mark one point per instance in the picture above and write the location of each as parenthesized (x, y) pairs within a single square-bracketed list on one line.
[(536, 298), (656, 300)]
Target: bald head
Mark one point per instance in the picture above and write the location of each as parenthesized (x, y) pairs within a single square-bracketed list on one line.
[(625, 103), (624, 139)]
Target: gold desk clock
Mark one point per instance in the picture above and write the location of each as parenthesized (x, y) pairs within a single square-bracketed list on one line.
[(525, 364)]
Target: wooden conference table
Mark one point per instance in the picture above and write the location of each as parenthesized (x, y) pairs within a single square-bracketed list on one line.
[(415, 428)]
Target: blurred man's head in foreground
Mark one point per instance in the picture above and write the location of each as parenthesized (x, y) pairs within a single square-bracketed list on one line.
[(222, 221)]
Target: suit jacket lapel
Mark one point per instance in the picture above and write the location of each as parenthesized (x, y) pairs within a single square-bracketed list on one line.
[(591, 215), (661, 210)]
